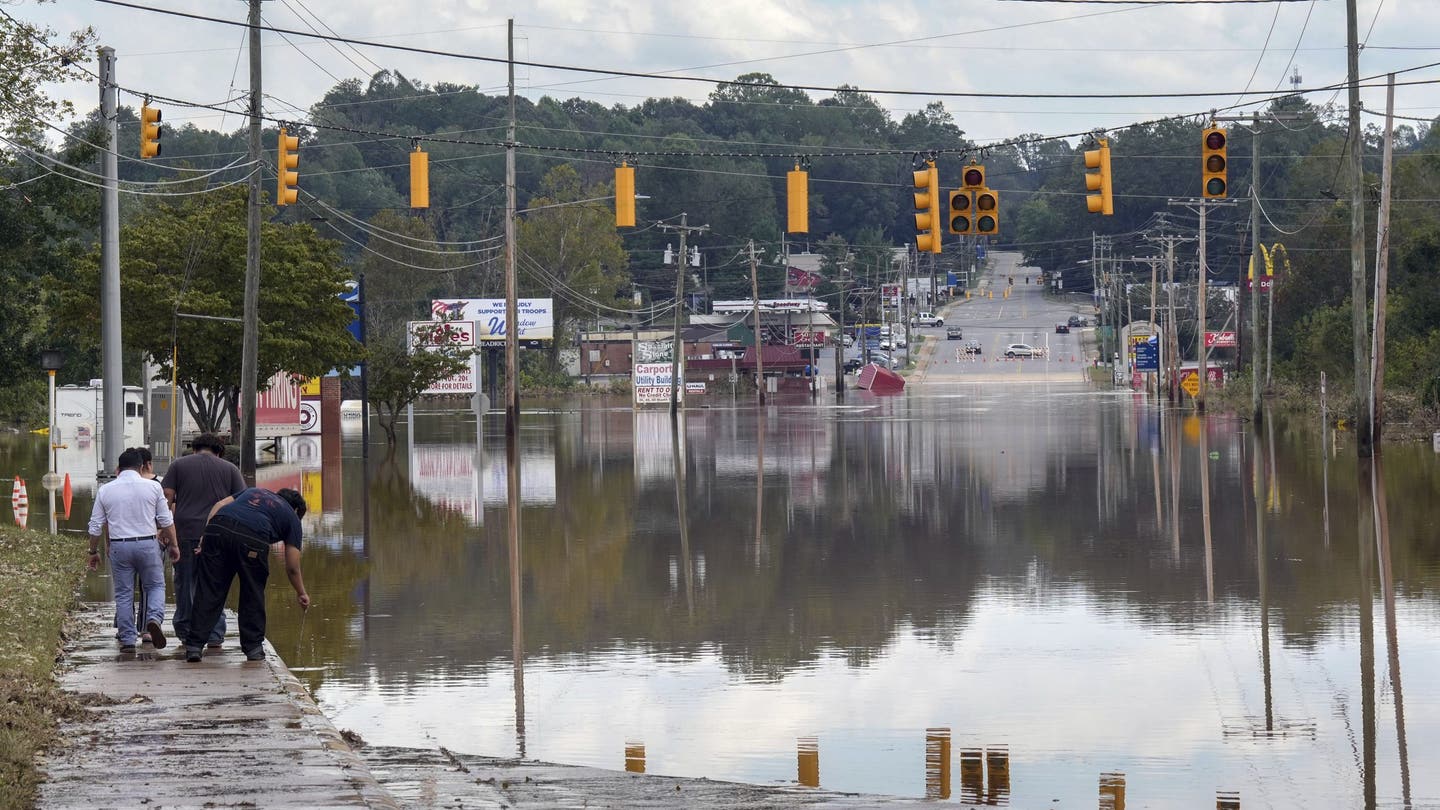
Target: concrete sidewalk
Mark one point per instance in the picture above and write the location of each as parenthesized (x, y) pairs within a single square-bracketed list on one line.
[(225, 732)]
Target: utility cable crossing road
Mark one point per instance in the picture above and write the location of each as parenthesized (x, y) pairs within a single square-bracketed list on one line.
[(1027, 317)]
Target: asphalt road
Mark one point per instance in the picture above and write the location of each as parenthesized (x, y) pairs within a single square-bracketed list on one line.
[(1026, 316)]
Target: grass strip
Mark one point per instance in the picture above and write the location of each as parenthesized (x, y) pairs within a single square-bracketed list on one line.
[(39, 578)]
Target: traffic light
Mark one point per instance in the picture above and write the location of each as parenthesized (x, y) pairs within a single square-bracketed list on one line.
[(1104, 202), (149, 131), (797, 200), (624, 196), (419, 178), (962, 210), (287, 160), (1213, 150), (927, 221), (973, 178), (987, 212)]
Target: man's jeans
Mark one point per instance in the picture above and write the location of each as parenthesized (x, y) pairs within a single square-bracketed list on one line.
[(126, 560), (185, 594)]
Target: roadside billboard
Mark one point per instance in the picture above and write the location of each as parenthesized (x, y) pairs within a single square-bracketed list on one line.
[(652, 384), (536, 317), (277, 408), (435, 335)]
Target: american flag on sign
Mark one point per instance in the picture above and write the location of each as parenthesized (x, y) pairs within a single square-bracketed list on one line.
[(447, 308)]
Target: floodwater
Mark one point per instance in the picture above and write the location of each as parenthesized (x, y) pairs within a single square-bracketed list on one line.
[(992, 595)]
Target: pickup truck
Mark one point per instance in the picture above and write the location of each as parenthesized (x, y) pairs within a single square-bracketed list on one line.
[(927, 319)]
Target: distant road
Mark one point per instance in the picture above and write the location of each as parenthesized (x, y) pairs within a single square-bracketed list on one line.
[(1027, 316)]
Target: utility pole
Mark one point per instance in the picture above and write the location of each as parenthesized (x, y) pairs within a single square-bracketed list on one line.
[(1364, 439), (512, 306), (1257, 413), (1202, 348), (755, 310), (1382, 270), (677, 367), (840, 347), (111, 350), (250, 331)]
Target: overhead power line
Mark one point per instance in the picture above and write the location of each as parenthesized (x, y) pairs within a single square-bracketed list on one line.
[(635, 74)]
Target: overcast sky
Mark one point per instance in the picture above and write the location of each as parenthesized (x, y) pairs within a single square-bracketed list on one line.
[(965, 45)]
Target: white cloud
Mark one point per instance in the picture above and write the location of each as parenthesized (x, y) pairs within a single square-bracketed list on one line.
[(1146, 49)]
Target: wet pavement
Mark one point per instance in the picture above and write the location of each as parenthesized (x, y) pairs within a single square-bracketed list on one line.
[(225, 732)]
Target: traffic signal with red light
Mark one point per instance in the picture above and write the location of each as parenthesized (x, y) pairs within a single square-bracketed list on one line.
[(149, 132), (927, 200), (962, 212), (987, 212), (287, 160), (624, 196), (797, 200), (1099, 180), (1214, 162), (973, 177)]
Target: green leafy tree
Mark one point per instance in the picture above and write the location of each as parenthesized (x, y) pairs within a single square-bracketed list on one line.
[(32, 58), (189, 259), (569, 249), (397, 375)]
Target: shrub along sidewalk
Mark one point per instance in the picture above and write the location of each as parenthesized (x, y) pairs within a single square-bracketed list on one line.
[(39, 578)]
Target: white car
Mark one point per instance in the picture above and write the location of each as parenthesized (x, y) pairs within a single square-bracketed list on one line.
[(927, 319), (1023, 350), (899, 342), (847, 340)]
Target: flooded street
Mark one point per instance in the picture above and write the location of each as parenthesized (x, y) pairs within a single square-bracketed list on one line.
[(989, 594)]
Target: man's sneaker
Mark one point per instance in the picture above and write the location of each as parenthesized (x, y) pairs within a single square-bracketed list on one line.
[(257, 654), (192, 655), (127, 648), (157, 635), (214, 645)]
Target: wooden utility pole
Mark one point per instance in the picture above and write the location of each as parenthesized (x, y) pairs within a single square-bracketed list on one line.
[(682, 264), (512, 315), (250, 330), (755, 310), (1382, 270), (1202, 350), (1358, 298)]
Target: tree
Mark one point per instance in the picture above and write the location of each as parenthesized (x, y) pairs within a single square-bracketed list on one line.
[(189, 259), (397, 375), (31, 59), (569, 248)]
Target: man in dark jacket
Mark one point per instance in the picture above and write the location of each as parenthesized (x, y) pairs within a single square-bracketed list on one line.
[(237, 545)]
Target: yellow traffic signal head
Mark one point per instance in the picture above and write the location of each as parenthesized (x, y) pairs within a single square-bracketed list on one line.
[(419, 178), (624, 196), (927, 238), (1214, 149), (987, 212), (962, 210), (149, 132), (797, 200), (1099, 181), (973, 177), (287, 160)]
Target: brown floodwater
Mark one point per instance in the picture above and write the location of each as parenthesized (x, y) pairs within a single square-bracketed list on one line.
[(1007, 595)]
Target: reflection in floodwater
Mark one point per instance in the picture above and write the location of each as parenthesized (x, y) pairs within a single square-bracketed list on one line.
[(1112, 791), (993, 562), (635, 757), (807, 761), (937, 763)]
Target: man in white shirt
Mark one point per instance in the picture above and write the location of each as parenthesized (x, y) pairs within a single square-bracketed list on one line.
[(132, 508)]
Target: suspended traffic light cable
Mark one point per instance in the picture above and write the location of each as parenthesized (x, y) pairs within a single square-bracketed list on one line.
[(727, 82)]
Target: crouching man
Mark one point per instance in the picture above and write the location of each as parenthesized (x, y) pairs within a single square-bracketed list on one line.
[(236, 544)]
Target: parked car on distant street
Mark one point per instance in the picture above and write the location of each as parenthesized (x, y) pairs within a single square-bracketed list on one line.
[(972, 347), (886, 343), (884, 360), (953, 333), (1022, 350), (899, 341), (1062, 329), (927, 319), (847, 340), (853, 365), (1075, 320)]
